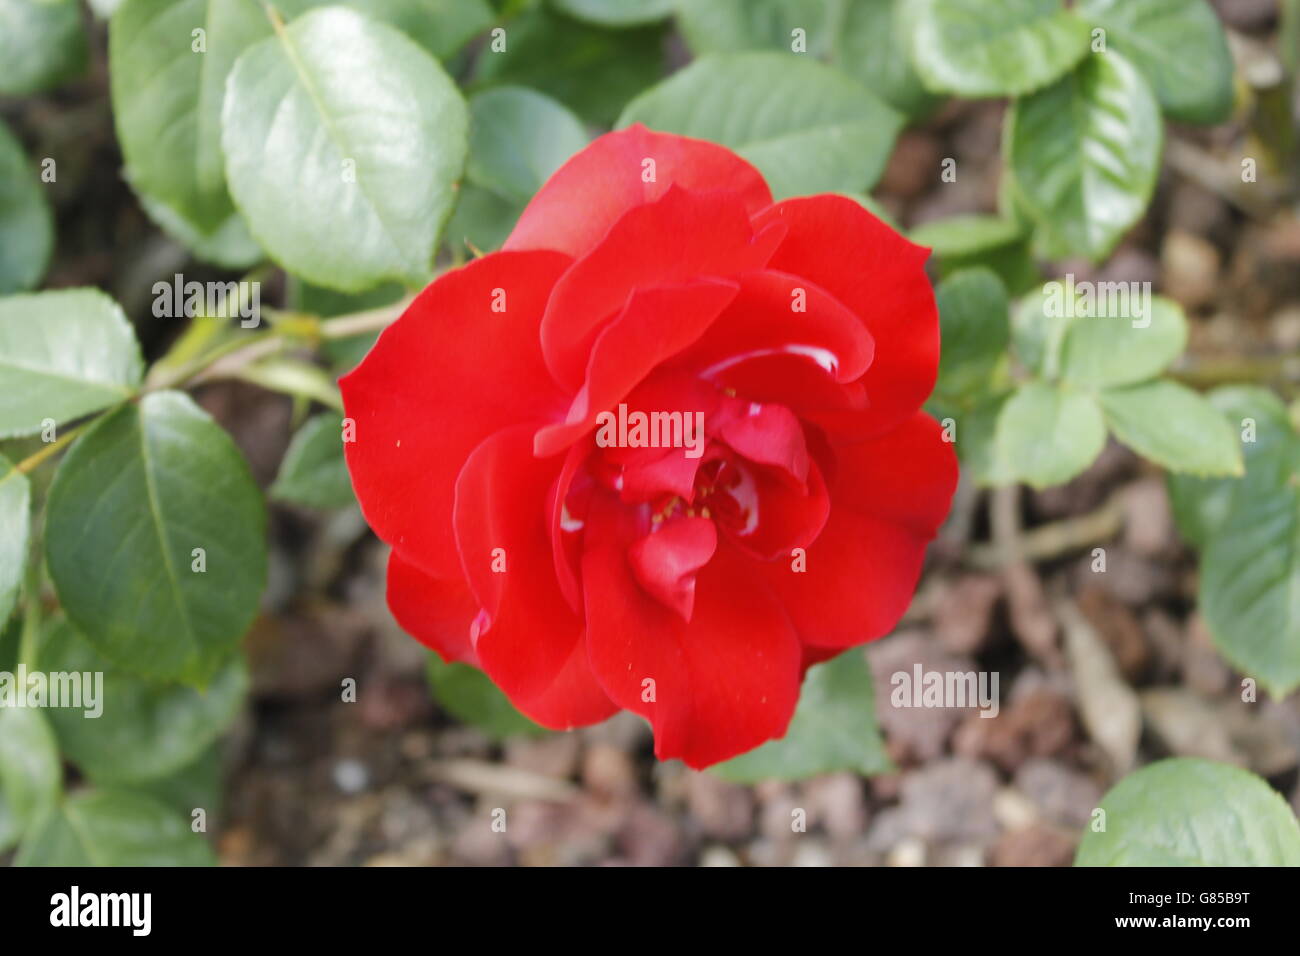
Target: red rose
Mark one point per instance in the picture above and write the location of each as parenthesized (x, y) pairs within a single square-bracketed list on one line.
[(526, 441)]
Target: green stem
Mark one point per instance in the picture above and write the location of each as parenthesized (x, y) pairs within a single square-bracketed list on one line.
[(31, 615), (28, 464)]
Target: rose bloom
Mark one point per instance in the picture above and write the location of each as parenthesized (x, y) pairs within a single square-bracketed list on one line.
[(589, 562)]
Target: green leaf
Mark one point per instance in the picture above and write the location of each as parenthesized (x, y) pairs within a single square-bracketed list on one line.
[(1047, 434), (974, 419), (1201, 505), (145, 729), (114, 828), (1084, 154), (1250, 587), (974, 327), (469, 695), (482, 220), (1190, 812), (313, 472), (344, 166), (168, 87), (867, 39), (1122, 347), (133, 499), (30, 771), (11, 637), (518, 138), (15, 530), (977, 442), (168, 63), (994, 47), (592, 70), (872, 43), (63, 354), (733, 26), (26, 223), (1250, 568), (229, 245), (966, 242), (1178, 45), (440, 26), (42, 43), (967, 235), (1173, 427), (833, 728), (1038, 331), (616, 13), (195, 786), (808, 128)]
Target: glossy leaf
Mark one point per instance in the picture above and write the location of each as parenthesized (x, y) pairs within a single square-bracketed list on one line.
[(867, 39), (15, 531), (834, 728), (440, 26), (168, 63), (483, 220), (1250, 534), (114, 828), (592, 70), (145, 729), (1201, 505), (1189, 812), (313, 472), (195, 786), (1084, 154), (1173, 427), (979, 48), (1047, 434), (518, 138), (1123, 347), (168, 86), (132, 500), (974, 327), (339, 126), (42, 43), (63, 354), (808, 128), (30, 771), (991, 242), (26, 223), (1179, 45), (977, 441), (229, 245), (967, 235), (616, 13)]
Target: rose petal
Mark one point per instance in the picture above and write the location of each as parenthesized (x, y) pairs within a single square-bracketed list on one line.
[(769, 435), (680, 237), (532, 645), (762, 320), (783, 516), (440, 379), (436, 612), (654, 325), (879, 275), (717, 686), (888, 499), (589, 193), (665, 561)]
